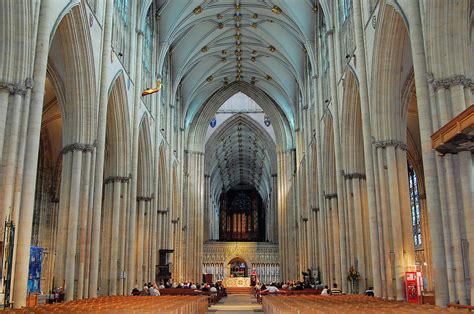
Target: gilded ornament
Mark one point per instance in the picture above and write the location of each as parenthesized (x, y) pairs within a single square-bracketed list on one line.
[(205, 49), (197, 10), (276, 9)]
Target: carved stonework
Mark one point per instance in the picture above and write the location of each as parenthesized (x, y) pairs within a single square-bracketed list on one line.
[(452, 81), (251, 252), (144, 198), (354, 176), (387, 143), (17, 89), (112, 179), (330, 196), (77, 147)]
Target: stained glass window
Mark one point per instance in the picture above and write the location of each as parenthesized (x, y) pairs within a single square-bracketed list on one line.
[(415, 205), (148, 46), (345, 8), (121, 6)]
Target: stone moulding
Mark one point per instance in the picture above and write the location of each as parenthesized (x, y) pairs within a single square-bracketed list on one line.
[(112, 179), (387, 143), (77, 147), (449, 82)]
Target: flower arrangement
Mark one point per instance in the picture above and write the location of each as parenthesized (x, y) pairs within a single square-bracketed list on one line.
[(353, 274)]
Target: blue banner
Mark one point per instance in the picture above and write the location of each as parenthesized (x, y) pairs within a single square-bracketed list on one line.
[(34, 273)]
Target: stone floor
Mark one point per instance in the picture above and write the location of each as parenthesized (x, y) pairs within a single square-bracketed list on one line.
[(237, 303)]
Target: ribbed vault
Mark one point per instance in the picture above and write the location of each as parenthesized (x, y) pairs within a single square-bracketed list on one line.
[(210, 44), (240, 152)]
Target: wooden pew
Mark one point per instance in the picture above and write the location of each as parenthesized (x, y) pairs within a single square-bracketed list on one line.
[(470, 308)]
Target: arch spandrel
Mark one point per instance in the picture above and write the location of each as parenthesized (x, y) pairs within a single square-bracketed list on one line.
[(198, 126)]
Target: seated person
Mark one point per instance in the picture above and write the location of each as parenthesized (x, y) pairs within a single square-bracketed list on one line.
[(144, 291), (335, 290), (135, 291), (325, 291), (271, 289), (370, 292), (154, 292)]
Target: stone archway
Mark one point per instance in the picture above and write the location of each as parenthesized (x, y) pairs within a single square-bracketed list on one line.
[(237, 267)]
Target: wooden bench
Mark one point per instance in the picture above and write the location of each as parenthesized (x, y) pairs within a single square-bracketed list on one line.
[(126, 304), (470, 308), (344, 304), (290, 292)]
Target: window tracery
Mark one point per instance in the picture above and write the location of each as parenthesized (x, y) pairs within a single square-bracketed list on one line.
[(415, 206)]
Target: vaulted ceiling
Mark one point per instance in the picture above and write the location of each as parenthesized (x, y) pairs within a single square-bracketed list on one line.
[(216, 42), (240, 152)]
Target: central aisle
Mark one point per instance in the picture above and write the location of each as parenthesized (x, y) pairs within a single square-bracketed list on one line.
[(237, 303)]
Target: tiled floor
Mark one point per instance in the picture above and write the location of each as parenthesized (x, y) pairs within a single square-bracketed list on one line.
[(237, 303)]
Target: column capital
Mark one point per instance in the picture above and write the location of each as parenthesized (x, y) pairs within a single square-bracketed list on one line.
[(330, 195), (144, 198), (449, 82), (387, 143), (17, 89), (77, 147), (354, 175), (194, 152), (111, 179)]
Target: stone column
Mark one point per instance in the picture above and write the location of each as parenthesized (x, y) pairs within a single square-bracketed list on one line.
[(89, 228), (132, 267), (72, 223), (340, 240), (454, 223), (367, 137), (12, 153), (139, 252), (405, 207), (397, 234), (384, 248), (122, 289), (114, 243), (429, 165), (337, 250), (3, 113), (351, 222), (359, 233), (84, 212), (100, 151), (63, 219), (386, 221), (104, 279), (467, 185), (153, 239), (25, 222)]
